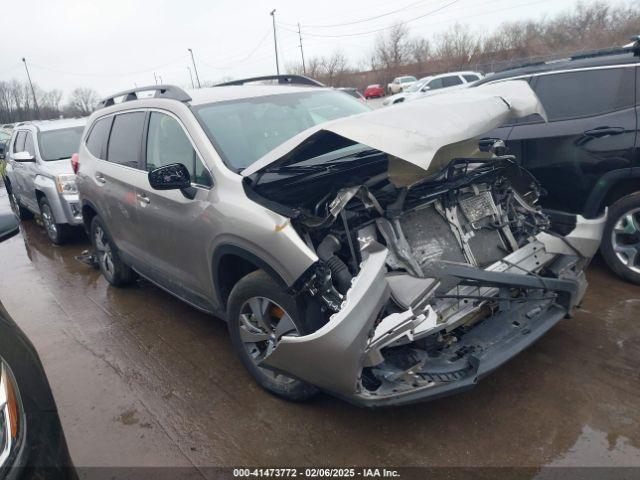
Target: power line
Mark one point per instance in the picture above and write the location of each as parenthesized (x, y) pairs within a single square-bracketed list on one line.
[(379, 29), (407, 7), (457, 19), (255, 49)]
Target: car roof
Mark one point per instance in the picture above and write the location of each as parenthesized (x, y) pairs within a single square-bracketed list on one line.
[(237, 92), (595, 59), (47, 125)]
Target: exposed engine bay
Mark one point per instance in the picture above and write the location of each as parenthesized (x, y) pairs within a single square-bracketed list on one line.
[(425, 281)]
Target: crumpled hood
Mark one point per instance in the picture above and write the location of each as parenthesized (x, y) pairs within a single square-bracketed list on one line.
[(427, 133)]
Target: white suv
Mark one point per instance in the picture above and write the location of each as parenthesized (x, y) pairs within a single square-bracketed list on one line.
[(444, 82), (40, 178)]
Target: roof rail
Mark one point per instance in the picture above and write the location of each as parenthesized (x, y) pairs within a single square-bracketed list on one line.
[(282, 80), (162, 91)]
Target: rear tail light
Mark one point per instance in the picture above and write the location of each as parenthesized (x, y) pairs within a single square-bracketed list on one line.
[(75, 163)]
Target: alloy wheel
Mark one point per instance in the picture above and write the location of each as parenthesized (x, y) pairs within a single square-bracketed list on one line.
[(262, 323), (48, 221), (104, 252), (625, 239)]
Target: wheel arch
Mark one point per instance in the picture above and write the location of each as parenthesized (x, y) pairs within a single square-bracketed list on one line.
[(230, 263), (89, 211), (611, 187)]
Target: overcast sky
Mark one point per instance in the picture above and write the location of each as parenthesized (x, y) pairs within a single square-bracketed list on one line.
[(111, 45)]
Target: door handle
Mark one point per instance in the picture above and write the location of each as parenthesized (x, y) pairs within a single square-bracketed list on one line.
[(143, 198), (100, 178), (604, 131)]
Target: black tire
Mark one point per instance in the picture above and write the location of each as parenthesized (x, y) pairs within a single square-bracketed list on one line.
[(58, 233), (260, 284), (114, 270), (21, 212), (613, 249)]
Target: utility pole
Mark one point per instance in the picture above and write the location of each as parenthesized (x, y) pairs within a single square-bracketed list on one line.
[(191, 77), (155, 78), (33, 92), (304, 68), (194, 67), (275, 39), (160, 77)]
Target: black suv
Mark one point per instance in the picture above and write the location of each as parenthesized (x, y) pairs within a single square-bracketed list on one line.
[(587, 157)]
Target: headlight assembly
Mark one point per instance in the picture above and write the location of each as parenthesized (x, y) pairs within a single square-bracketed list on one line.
[(11, 415), (66, 184)]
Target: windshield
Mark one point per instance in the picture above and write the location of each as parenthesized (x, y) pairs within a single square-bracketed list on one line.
[(407, 79), (246, 129), (59, 144)]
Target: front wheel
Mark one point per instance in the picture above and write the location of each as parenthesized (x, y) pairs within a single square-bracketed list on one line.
[(20, 212), (260, 313), (114, 270), (58, 233), (621, 238)]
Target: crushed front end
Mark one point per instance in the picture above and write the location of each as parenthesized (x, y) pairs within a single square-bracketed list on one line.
[(430, 273), (425, 290)]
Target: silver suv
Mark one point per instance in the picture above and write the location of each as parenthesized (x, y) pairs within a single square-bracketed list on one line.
[(383, 256), (40, 178)]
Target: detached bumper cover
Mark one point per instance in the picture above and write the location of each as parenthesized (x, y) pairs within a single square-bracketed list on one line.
[(491, 344)]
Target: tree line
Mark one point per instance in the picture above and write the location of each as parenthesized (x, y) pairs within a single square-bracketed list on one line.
[(589, 26), (17, 102)]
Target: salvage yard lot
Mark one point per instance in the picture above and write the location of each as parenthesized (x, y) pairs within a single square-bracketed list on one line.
[(143, 379)]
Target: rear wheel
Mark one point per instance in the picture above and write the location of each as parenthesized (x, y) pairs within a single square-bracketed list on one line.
[(115, 271), (58, 233), (621, 239), (260, 313), (21, 212)]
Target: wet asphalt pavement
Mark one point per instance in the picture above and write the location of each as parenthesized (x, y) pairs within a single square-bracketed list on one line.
[(142, 379)]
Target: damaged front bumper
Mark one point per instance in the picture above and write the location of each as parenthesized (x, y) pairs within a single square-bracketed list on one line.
[(480, 320)]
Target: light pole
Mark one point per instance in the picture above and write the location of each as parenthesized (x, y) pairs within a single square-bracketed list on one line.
[(304, 68), (33, 92), (275, 39), (191, 77), (194, 67)]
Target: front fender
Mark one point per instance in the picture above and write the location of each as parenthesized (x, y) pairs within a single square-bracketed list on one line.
[(333, 356)]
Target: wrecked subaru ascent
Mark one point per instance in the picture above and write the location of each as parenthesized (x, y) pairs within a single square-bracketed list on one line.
[(386, 257)]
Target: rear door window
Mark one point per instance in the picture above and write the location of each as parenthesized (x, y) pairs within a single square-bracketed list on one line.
[(167, 143), (586, 93), (97, 138), (18, 144), (471, 78), (125, 140)]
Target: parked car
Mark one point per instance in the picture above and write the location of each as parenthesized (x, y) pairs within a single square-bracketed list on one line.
[(373, 91), (32, 442), (434, 84), (40, 178), (355, 254), (400, 83), (4, 138), (354, 92), (587, 157)]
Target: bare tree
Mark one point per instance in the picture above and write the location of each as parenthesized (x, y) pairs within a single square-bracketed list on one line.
[(82, 102), (419, 50), (457, 46)]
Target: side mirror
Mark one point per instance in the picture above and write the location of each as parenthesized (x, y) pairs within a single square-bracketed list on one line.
[(24, 157), (170, 177), (9, 226), (425, 88)]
